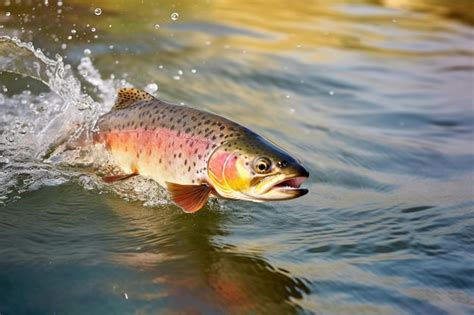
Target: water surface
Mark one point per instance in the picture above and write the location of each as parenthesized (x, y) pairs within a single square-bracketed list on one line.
[(375, 97)]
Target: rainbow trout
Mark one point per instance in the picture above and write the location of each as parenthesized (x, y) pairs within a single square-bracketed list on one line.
[(195, 154)]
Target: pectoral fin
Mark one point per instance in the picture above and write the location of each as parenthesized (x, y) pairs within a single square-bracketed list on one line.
[(190, 198), (116, 178)]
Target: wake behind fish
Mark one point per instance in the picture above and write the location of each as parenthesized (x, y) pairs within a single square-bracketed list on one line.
[(45, 138)]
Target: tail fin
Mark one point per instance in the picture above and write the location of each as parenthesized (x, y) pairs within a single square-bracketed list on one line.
[(79, 138)]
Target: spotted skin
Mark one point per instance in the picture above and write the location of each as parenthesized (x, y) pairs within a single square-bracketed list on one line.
[(177, 144), (164, 141)]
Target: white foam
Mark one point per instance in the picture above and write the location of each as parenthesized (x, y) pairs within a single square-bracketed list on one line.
[(35, 128)]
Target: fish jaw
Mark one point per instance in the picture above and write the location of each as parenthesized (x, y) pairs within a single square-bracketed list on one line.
[(232, 173), (280, 187)]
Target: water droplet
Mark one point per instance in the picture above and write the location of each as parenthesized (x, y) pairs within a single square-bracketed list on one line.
[(69, 37), (73, 31), (4, 159), (180, 72), (7, 13), (93, 29), (87, 52), (287, 96), (98, 11), (175, 16), (193, 70), (292, 110), (160, 66), (63, 46), (111, 47), (151, 88), (331, 92), (157, 26), (176, 77)]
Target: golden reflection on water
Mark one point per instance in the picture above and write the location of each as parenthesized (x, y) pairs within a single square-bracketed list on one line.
[(283, 26)]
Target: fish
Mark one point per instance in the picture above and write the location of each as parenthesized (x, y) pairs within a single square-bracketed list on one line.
[(194, 154)]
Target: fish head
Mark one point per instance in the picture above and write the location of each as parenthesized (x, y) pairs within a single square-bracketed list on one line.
[(255, 169)]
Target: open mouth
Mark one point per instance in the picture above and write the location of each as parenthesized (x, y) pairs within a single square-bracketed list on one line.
[(281, 187), (291, 187), (291, 184)]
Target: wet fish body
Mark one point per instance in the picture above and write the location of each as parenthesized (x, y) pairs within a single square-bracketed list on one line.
[(194, 154)]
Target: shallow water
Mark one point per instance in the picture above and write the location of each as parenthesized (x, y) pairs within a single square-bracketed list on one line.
[(376, 98)]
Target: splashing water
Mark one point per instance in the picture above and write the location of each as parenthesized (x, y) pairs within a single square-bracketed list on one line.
[(45, 138)]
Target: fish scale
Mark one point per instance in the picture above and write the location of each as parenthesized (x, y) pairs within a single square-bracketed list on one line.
[(173, 145), (180, 137)]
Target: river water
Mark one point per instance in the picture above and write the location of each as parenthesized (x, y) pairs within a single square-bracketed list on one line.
[(375, 97)]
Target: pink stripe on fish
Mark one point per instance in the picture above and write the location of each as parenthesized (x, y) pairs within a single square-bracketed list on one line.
[(178, 151)]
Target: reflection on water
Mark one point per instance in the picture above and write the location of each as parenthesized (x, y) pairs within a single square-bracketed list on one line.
[(375, 97), (182, 255), (151, 258)]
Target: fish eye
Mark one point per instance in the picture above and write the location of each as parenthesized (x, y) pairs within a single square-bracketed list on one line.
[(262, 165)]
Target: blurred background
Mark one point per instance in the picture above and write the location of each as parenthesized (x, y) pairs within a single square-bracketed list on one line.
[(375, 97)]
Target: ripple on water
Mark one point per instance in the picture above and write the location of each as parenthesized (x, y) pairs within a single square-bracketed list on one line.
[(373, 97)]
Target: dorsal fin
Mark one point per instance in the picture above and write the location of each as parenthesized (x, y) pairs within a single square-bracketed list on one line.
[(128, 96)]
